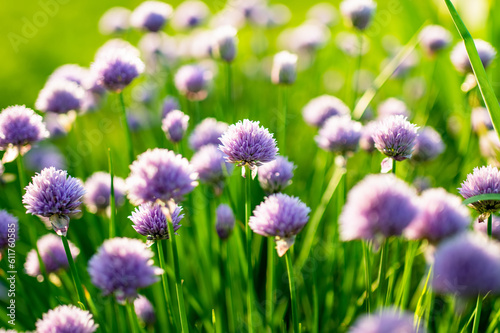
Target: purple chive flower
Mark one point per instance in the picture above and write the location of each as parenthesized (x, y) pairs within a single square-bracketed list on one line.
[(19, 127), (358, 13), (366, 141), (111, 46), (151, 15), (284, 70), (211, 166), (207, 132), (175, 125), (65, 319), (9, 229), (70, 72), (276, 175), (144, 310), (282, 217), (324, 13), (54, 194), (495, 227), (54, 257), (319, 109), (378, 206), (115, 21), (160, 174), (480, 120), (98, 196), (467, 265), (60, 96), (441, 215), (460, 58), (190, 14), (150, 221), (169, 104), (483, 180), (224, 224), (434, 38), (247, 144), (388, 320), (395, 137), (306, 38), (116, 67), (392, 107), (339, 135), (192, 81), (429, 145), (121, 266), (224, 43)]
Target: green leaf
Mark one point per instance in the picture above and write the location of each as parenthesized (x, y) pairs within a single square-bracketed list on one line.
[(484, 84), (476, 198)]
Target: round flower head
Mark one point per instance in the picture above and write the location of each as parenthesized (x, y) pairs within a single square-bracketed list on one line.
[(460, 58), (441, 215), (192, 81), (160, 174), (9, 229), (276, 175), (248, 144), (284, 70), (116, 67), (395, 137), (495, 227), (121, 266), (20, 126), (114, 21), (428, 145), (53, 256), (480, 120), (151, 15), (319, 109), (174, 125), (207, 132), (323, 12), (190, 14), (112, 45), (70, 72), (392, 107), (482, 180), (467, 265), (211, 166), (98, 187), (378, 206), (60, 96), (150, 221), (224, 223), (144, 310), (366, 141), (169, 104), (339, 135), (282, 217), (434, 38), (54, 194), (66, 319), (358, 13), (387, 320), (224, 43)]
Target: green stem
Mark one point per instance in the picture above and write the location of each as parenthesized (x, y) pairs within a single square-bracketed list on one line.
[(477, 317), (178, 282), (248, 179), (394, 167), (382, 283), (74, 273), (112, 203), (131, 317), (368, 281), (282, 125), (270, 282), (229, 287), (293, 296), (128, 134), (166, 291), (405, 286), (490, 225), (21, 172)]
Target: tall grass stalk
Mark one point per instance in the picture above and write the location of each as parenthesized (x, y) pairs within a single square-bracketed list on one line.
[(477, 316), (128, 133), (131, 317), (293, 294), (74, 273), (164, 283), (248, 234)]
